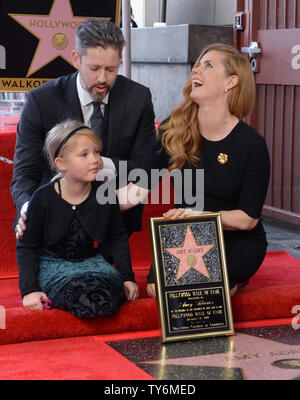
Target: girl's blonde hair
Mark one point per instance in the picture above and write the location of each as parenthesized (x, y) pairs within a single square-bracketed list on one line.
[(59, 132), (180, 135)]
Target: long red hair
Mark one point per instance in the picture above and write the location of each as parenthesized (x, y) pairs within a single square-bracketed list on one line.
[(180, 135)]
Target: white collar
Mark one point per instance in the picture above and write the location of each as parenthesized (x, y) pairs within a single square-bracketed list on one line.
[(84, 97)]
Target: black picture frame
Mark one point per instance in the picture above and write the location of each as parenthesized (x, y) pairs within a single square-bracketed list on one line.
[(191, 279)]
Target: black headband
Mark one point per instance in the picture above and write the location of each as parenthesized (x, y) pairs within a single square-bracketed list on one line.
[(64, 141)]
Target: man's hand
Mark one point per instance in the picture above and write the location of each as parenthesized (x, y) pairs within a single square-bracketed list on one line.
[(131, 195), (131, 290), (21, 226), (32, 301)]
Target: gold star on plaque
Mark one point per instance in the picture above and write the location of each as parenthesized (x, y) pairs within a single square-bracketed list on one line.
[(191, 255)]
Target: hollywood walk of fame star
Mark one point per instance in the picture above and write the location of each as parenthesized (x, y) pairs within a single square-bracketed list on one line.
[(190, 255), (56, 33), (257, 357)]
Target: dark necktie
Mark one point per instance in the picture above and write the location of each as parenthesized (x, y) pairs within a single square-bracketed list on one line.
[(97, 119), (97, 124)]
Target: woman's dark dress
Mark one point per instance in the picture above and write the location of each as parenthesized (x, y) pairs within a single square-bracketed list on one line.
[(241, 183)]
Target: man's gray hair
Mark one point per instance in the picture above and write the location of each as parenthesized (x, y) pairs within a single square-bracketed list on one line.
[(98, 32)]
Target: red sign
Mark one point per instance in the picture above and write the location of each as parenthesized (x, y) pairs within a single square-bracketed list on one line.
[(280, 55)]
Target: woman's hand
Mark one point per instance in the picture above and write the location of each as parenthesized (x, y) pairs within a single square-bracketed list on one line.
[(175, 213), (32, 301), (131, 290)]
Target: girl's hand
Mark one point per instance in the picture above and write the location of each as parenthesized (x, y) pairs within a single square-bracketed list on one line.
[(151, 290), (131, 290), (32, 301)]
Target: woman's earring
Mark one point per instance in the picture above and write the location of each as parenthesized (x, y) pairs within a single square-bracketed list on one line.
[(226, 90)]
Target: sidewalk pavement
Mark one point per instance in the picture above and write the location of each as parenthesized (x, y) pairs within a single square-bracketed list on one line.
[(282, 236)]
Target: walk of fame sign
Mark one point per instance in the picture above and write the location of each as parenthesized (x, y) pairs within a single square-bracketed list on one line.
[(37, 38), (192, 288)]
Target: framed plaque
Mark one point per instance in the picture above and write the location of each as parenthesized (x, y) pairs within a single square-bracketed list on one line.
[(192, 288)]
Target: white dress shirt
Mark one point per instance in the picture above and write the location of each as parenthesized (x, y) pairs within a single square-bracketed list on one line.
[(86, 103)]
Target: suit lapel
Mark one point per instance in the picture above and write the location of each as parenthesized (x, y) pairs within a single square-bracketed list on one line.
[(72, 99)]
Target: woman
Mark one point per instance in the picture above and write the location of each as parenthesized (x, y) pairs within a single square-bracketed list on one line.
[(206, 131)]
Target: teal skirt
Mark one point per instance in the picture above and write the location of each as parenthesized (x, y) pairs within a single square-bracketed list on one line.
[(86, 288)]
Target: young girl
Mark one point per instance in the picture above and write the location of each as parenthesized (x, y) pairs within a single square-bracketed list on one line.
[(56, 255)]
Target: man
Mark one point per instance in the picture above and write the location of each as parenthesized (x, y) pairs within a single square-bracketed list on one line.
[(126, 114)]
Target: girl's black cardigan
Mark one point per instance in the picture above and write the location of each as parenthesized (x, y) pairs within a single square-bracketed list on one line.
[(49, 217)]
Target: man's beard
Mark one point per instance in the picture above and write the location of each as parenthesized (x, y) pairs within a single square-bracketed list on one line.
[(96, 96)]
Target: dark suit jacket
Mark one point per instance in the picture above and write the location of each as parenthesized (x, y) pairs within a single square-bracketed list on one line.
[(130, 129)]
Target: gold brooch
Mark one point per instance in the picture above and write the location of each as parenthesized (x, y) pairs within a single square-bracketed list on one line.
[(222, 158)]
